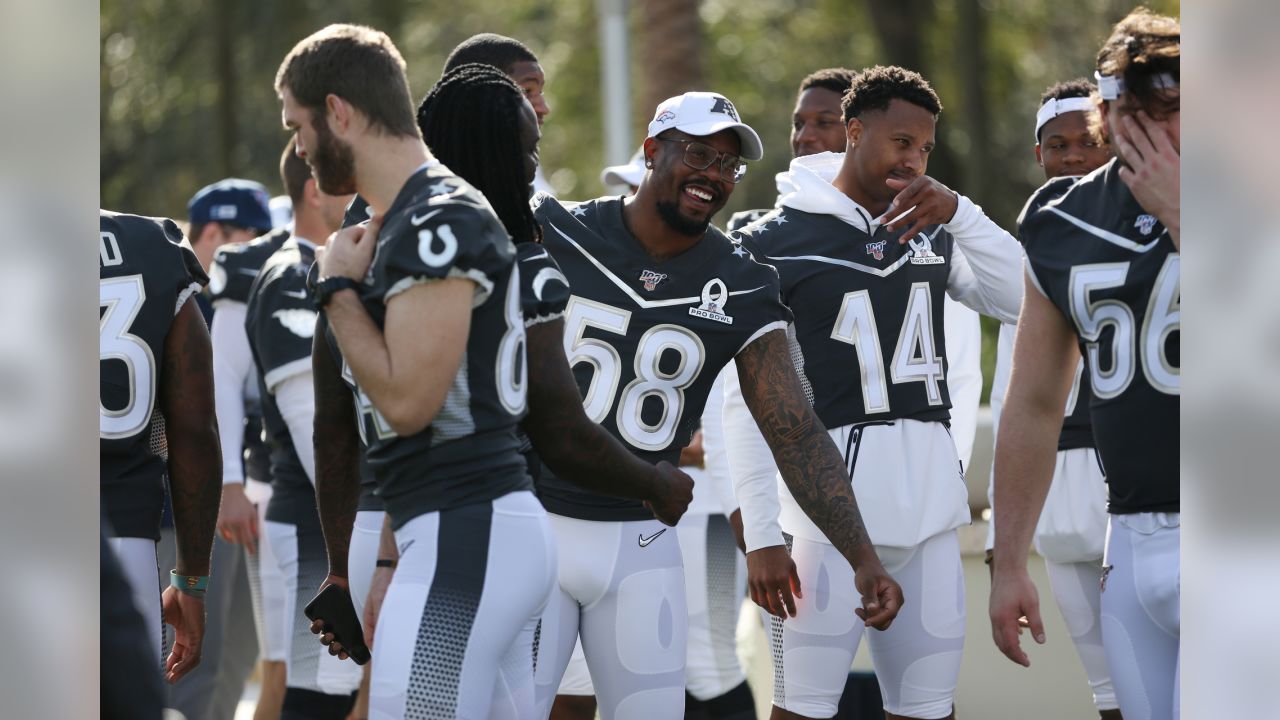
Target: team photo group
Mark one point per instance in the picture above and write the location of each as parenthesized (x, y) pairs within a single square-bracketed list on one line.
[(464, 448)]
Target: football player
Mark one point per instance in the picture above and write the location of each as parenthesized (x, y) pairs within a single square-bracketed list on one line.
[(817, 126), (1073, 525), (516, 60), (424, 302), (715, 572), (1103, 282), (246, 477), (156, 415), (280, 320), (226, 216), (867, 245), (661, 302)]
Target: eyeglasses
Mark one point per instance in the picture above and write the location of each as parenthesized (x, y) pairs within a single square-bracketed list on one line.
[(700, 156)]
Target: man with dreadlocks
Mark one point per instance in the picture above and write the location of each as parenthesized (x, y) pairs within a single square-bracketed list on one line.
[(1103, 252)]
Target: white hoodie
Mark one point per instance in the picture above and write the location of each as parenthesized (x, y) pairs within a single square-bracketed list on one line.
[(986, 275)]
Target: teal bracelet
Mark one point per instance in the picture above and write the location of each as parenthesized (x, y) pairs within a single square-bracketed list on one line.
[(193, 585)]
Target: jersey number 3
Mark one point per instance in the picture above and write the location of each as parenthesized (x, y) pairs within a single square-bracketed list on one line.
[(120, 300)]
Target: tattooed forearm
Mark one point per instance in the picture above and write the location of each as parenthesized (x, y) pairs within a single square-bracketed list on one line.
[(337, 449), (575, 448), (809, 462), (191, 431)]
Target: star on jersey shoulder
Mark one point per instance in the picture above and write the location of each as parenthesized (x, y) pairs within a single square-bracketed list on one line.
[(579, 211), (740, 251), (779, 219), (441, 187)]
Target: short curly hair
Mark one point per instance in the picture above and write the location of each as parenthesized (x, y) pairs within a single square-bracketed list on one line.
[(874, 88)]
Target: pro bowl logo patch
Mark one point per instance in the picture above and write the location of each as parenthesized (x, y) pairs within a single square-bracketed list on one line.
[(714, 293), (651, 279), (876, 249), (922, 252)]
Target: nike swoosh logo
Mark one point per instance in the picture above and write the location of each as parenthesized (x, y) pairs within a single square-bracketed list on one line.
[(405, 547), (300, 294), (418, 220), (644, 541)]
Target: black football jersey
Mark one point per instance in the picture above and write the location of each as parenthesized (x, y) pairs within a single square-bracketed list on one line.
[(281, 321), (236, 266), (1077, 428), (1113, 272), (739, 220), (646, 338), (868, 314), (440, 227), (146, 273)]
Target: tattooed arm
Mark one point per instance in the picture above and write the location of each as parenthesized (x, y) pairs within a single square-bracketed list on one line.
[(337, 448), (195, 476), (577, 449), (812, 468)]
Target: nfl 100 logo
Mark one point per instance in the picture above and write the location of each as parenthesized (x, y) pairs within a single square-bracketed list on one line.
[(651, 279), (876, 249)]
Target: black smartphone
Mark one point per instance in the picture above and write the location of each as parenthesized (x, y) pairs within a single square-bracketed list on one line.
[(334, 605)]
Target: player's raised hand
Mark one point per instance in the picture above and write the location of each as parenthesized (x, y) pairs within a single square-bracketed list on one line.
[(881, 595), (1014, 604), (1151, 166), (238, 518), (926, 202), (350, 250), (675, 492), (773, 580)]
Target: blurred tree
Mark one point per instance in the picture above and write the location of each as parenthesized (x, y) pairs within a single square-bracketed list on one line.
[(670, 50)]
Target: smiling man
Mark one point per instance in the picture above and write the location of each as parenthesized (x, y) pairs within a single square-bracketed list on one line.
[(866, 287), (661, 302)]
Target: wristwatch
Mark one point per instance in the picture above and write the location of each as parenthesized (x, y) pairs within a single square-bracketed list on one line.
[(326, 288)]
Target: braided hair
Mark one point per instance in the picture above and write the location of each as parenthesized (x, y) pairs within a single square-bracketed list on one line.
[(471, 122)]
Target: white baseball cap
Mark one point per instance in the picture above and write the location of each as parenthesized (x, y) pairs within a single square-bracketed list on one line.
[(630, 174), (705, 113)]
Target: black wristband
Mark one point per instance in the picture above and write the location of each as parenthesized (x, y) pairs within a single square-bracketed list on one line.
[(384, 562), (326, 288)]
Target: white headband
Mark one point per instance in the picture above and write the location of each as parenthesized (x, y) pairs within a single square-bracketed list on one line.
[(1055, 107), (1111, 87)]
